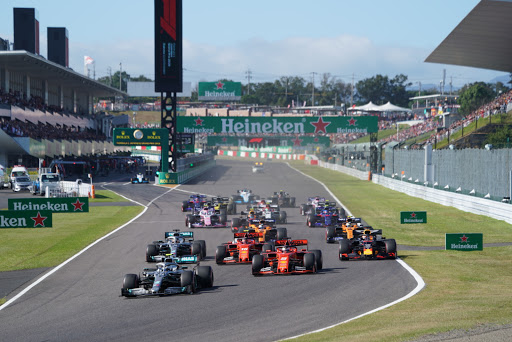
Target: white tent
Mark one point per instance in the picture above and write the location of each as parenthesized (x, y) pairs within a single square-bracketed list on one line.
[(369, 107), (389, 107)]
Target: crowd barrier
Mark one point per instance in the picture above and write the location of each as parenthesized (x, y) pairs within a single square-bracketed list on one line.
[(468, 203)]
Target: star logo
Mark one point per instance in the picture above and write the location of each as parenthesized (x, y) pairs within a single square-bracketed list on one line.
[(413, 215), (320, 125), (464, 238), (315, 140), (219, 85), (352, 122), (224, 139), (199, 121), (78, 205), (39, 220), (297, 142)]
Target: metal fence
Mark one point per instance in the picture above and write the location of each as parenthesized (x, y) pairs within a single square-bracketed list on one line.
[(70, 189), (478, 172)]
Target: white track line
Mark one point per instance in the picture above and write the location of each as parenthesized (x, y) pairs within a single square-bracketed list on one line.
[(417, 277), (39, 280)]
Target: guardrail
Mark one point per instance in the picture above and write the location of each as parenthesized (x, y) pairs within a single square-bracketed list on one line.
[(475, 205)]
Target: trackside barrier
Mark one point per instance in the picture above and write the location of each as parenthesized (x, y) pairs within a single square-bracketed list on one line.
[(70, 189), (183, 176), (263, 155), (475, 205)]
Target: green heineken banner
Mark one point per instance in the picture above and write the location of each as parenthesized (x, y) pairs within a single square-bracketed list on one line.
[(273, 141), (413, 217), (56, 205), (219, 91), (277, 125), (26, 219), (464, 242), (140, 136)]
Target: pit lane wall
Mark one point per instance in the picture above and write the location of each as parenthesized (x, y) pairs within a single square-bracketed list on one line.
[(185, 175), (263, 155), (468, 203)]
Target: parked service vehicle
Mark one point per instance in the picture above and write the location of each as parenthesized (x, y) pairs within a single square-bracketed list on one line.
[(4, 180), (45, 180), (21, 183), (17, 170)]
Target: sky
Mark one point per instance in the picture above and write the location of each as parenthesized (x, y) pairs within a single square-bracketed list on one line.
[(224, 39)]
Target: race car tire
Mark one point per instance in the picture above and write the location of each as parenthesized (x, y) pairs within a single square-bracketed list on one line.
[(274, 200), (197, 249), (292, 202), (151, 250), (318, 258), (303, 208), (223, 212), (204, 276), (223, 218), (344, 248), (267, 247), (184, 205), (187, 280), (311, 220), (189, 219), (130, 281), (220, 254), (282, 216), (235, 223), (390, 245), (281, 233), (309, 261), (330, 232), (231, 210), (203, 248), (342, 212), (257, 264)]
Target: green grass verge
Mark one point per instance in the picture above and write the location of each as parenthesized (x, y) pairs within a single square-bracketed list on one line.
[(464, 289), (106, 196), (35, 248)]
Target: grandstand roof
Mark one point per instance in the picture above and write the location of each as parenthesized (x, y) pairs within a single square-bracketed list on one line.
[(481, 40), (39, 67)]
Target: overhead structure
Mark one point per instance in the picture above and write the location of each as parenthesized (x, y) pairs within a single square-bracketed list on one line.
[(481, 40), (389, 107)]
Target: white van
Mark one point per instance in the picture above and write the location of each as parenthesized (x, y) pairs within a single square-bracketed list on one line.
[(17, 170)]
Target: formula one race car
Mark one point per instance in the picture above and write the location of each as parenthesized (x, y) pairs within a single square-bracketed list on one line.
[(310, 206), (265, 210), (245, 196), (283, 199), (242, 249), (257, 167), (367, 244), (288, 259), (195, 202), (177, 246), (139, 179), (266, 227), (206, 217), (323, 217), (344, 230), (223, 203), (167, 278)]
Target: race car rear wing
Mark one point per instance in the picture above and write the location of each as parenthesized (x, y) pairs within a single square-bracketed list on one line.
[(184, 259), (252, 235), (302, 242), (353, 219), (182, 234)]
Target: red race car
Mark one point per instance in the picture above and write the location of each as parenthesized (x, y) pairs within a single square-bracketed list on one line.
[(242, 249), (288, 259)]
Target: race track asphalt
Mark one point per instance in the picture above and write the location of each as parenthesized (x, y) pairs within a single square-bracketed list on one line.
[(81, 301)]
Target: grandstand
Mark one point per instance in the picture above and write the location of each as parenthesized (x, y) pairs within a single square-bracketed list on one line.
[(46, 108)]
